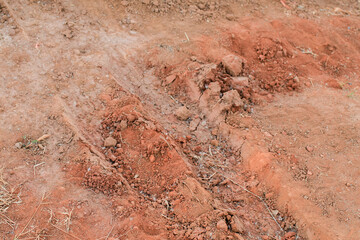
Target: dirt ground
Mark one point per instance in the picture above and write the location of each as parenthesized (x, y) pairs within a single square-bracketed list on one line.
[(179, 119)]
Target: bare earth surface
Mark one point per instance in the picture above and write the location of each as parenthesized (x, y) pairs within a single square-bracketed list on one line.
[(179, 119)]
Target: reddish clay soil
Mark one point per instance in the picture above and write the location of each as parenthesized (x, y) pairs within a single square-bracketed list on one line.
[(188, 119)]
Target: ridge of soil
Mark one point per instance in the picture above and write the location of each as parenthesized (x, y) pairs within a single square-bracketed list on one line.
[(179, 119)]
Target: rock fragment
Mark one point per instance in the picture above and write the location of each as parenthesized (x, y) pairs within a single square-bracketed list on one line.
[(110, 142), (236, 225), (221, 225), (233, 64), (183, 113)]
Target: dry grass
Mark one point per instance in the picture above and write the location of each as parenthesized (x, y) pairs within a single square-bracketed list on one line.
[(7, 198)]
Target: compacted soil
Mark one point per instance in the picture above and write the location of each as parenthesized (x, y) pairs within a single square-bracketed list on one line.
[(179, 119)]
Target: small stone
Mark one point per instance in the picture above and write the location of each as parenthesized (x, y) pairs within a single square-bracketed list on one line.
[(18, 145), (269, 195), (201, 6), (241, 81), (230, 17), (238, 237), (194, 124), (289, 235), (309, 173), (183, 113), (233, 64), (170, 79), (214, 142), (214, 132), (221, 225), (236, 225), (124, 3), (268, 135), (110, 142), (275, 212), (309, 148), (132, 117), (152, 158), (123, 124)]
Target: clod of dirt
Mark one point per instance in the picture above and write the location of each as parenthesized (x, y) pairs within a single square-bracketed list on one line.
[(110, 142), (233, 65), (18, 145), (309, 148), (214, 142), (123, 124), (289, 236), (332, 83), (183, 113), (230, 99), (194, 124), (221, 225), (241, 81), (132, 117), (236, 225), (170, 79)]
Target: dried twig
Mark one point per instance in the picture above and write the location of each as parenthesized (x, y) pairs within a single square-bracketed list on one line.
[(210, 151), (67, 220), (187, 37), (110, 232), (43, 137), (66, 233), (191, 192), (37, 165), (168, 218), (31, 218), (258, 197), (7, 220), (285, 5), (7, 197)]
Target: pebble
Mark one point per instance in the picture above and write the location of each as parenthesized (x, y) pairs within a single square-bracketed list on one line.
[(233, 64), (132, 117), (309, 148), (170, 79), (214, 132), (124, 3), (289, 235), (182, 113), (221, 225), (123, 124), (236, 225), (18, 145), (194, 124), (110, 142), (214, 142), (230, 17), (241, 81)]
